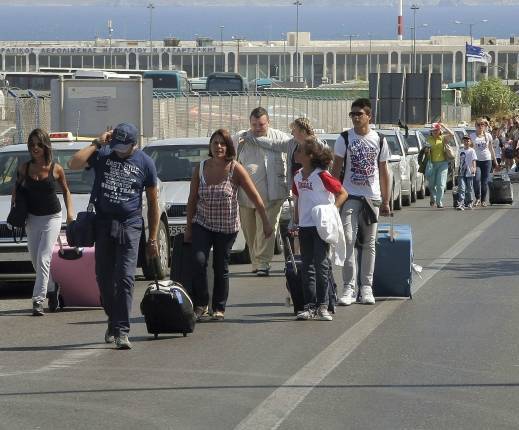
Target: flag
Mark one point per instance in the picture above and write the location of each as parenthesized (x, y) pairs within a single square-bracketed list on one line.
[(475, 54)]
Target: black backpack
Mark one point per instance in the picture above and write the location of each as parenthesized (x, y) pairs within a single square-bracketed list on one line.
[(344, 135)]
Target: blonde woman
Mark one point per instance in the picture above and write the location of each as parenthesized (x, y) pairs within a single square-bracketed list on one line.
[(482, 141)]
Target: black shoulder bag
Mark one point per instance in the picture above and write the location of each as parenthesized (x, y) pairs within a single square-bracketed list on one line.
[(19, 210), (81, 231)]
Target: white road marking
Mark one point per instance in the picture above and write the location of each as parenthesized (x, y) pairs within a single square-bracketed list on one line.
[(271, 413), (68, 359)]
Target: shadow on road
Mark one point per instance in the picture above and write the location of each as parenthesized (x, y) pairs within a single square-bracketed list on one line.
[(483, 269)]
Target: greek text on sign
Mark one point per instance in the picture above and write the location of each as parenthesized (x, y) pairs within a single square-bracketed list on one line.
[(91, 92)]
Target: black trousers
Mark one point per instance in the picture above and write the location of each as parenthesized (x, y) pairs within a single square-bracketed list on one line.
[(202, 241)]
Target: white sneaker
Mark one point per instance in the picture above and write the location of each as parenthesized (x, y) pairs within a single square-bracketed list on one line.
[(323, 314), (366, 295), (347, 298), (305, 315)]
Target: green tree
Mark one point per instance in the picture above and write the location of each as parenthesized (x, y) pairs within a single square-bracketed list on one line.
[(492, 97)]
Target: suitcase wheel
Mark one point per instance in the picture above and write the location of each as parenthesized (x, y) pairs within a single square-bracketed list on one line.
[(155, 335), (185, 334)]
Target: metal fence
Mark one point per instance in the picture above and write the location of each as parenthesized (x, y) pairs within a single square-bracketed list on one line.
[(22, 114), (199, 115)]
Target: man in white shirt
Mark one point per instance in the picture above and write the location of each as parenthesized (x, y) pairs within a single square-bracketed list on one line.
[(366, 175), (262, 150)]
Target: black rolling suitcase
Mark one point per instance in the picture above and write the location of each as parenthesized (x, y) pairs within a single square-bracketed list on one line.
[(182, 266), (500, 189), (167, 308), (294, 281)]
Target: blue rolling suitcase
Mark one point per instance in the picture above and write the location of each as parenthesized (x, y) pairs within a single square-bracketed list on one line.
[(394, 261)]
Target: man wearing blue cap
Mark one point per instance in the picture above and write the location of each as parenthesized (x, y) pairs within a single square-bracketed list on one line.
[(122, 173)]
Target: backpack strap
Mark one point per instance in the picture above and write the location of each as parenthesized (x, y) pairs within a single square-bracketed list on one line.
[(344, 135)]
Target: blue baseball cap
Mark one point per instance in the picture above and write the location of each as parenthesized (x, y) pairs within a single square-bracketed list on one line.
[(123, 136)]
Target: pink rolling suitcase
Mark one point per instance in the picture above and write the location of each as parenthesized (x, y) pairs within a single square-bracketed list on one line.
[(73, 271)]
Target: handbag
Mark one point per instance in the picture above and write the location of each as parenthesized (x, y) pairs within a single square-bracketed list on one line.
[(18, 215), (448, 152), (81, 232), (428, 169), (19, 211)]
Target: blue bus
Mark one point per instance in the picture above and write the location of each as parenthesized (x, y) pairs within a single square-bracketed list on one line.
[(226, 82), (168, 82)]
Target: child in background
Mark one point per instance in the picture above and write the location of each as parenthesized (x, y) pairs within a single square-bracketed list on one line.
[(467, 170), (313, 185)]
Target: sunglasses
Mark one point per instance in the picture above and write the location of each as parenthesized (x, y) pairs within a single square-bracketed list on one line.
[(481, 123), (357, 114)]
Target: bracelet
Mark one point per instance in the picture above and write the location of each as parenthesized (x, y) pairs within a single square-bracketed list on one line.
[(152, 240)]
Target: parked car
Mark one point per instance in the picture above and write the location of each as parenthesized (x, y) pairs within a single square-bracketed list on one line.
[(395, 169), (175, 160), (15, 261), (415, 139), (400, 164)]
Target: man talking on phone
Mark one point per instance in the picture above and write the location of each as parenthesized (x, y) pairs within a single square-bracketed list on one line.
[(122, 173)]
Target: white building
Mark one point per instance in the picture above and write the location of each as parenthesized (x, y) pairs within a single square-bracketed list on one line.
[(335, 60)]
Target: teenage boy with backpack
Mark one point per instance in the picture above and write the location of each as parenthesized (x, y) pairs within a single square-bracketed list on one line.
[(361, 163)]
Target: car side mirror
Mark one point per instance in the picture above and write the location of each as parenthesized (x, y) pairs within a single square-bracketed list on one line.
[(413, 150)]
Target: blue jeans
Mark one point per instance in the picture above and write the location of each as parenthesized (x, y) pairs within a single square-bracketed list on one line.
[(438, 180), (483, 169), (116, 253), (202, 241), (465, 190), (315, 266)]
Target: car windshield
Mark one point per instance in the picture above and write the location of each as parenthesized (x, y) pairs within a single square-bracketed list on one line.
[(79, 182), (394, 145), (176, 162), (412, 141)]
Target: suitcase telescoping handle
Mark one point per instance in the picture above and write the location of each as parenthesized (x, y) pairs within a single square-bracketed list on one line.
[(291, 254)]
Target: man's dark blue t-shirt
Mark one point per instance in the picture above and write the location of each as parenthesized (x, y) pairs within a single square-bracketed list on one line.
[(121, 181)]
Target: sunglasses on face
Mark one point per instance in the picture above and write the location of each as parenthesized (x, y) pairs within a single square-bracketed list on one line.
[(480, 124), (357, 114)]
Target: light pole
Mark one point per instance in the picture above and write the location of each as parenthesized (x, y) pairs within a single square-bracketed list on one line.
[(197, 56), (369, 55), (284, 37), (414, 8), (238, 40), (471, 24), (221, 47), (110, 31), (350, 36), (297, 4), (151, 6)]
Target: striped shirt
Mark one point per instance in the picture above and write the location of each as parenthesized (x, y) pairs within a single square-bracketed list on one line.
[(217, 206)]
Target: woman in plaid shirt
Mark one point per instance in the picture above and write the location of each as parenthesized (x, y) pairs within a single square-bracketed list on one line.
[(213, 220)]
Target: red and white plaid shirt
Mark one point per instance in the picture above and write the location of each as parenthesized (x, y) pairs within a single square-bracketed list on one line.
[(217, 206)]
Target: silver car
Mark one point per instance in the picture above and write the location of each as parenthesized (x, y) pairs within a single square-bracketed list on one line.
[(15, 262), (415, 142)]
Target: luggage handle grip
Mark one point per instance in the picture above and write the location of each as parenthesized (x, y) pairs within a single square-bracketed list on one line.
[(155, 268), (291, 254)]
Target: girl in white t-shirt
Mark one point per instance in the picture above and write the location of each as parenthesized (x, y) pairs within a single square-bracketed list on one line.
[(466, 174), (313, 185), (482, 141)]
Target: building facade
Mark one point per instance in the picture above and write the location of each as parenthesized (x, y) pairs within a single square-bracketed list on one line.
[(319, 61)]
